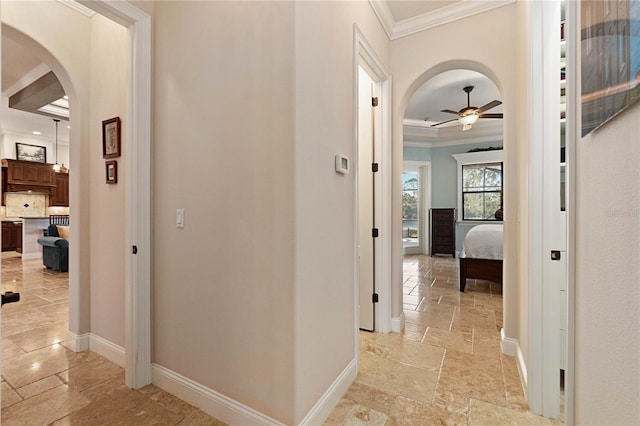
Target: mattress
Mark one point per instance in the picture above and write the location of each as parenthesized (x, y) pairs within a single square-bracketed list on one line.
[(483, 242)]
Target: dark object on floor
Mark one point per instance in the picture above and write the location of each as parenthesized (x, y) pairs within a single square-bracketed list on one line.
[(10, 297)]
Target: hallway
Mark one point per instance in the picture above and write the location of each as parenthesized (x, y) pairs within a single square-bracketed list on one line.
[(446, 367), (45, 383)]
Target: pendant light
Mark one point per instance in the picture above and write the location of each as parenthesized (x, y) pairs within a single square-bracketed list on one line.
[(56, 167)]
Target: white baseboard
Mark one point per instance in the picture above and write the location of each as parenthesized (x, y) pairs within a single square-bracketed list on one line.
[(512, 347), (77, 343), (397, 323), (325, 405), (31, 256), (211, 402), (508, 345), (107, 349)]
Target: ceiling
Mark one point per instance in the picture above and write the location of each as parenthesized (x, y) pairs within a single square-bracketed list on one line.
[(399, 18), (20, 68)]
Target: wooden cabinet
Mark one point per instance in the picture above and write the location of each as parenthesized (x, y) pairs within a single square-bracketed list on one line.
[(443, 231), (11, 236), (60, 196), (28, 176)]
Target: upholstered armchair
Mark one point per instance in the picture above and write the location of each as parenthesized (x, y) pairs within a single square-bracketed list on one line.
[(55, 250)]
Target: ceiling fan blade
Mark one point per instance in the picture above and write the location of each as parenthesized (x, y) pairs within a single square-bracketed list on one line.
[(488, 106), (450, 111), (496, 115), (443, 122)]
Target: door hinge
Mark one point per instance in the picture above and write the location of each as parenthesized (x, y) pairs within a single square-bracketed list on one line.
[(555, 255), (374, 101), (374, 232), (134, 249), (374, 298), (374, 167)]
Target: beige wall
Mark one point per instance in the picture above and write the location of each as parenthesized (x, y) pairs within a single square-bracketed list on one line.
[(223, 298), (607, 335), (414, 60), (109, 71), (325, 200)]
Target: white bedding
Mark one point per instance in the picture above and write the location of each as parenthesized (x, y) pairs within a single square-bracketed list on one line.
[(483, 242)]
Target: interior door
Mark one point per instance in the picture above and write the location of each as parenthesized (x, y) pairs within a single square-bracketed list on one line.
[(366, 249)]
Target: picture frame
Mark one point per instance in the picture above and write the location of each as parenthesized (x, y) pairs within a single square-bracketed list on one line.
[(34, 153), (111, 172), (111, 138)]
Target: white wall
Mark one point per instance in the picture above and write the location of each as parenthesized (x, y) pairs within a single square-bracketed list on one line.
[(324, 241), (9, 139), (607, 369), (415, 59), (109, 66)]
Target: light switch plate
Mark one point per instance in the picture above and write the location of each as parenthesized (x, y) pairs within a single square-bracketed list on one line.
[(180, 218)]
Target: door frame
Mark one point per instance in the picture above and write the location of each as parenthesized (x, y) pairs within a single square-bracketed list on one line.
[(138, 190), (366, 57), (543, 382)]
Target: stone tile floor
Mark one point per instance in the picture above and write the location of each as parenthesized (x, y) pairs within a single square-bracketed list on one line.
[(446, 368), (44, 383)]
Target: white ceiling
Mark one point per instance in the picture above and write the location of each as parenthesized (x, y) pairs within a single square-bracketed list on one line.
[(399, 17), (20, 67)]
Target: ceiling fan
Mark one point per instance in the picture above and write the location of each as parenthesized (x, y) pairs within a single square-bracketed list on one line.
[(470, 114)]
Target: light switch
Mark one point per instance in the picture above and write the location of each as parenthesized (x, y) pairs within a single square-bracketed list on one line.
[(180, 218)]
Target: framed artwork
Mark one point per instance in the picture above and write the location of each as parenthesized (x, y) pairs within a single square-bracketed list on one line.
[(610, 59), (28, 152), (111, 138), (111, 171)]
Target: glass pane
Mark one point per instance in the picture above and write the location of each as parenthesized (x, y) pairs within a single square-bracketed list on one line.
[(473, 206), (472, 177), (491, 204), (410, 224)]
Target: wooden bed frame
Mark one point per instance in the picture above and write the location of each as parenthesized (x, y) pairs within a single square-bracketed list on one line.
[(480, 269)]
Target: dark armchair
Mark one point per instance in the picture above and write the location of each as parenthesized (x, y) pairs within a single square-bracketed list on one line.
[(55, 250)]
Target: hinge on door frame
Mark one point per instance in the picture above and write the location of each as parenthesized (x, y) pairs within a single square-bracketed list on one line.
[(374, 167), (374, 101), (374, 232), (134, 249), (374, 298)]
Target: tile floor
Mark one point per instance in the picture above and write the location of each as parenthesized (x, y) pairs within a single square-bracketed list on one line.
[(44, 383), (446, 368)]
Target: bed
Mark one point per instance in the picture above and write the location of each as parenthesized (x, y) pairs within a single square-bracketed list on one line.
[(481, 256)]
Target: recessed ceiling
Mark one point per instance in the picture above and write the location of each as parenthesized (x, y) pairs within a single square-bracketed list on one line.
[(402, 9)]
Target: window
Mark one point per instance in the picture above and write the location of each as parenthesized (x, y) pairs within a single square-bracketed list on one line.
[(410, 228), (480, 185), (481, 191)]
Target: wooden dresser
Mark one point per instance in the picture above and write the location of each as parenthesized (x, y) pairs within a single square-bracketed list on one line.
[(443, 231)]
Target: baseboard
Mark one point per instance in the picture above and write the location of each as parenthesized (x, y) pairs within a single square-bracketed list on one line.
[(77, 343), (31, 256), (397, 323), (211, 402), (325, 405), (511, 347), (508, 345), (107, 349)]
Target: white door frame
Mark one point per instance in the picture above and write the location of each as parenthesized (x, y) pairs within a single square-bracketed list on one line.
[(138, 190), (543, 382), (365, 57)]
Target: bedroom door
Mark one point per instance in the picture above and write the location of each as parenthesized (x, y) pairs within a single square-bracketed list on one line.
[(366, 200)]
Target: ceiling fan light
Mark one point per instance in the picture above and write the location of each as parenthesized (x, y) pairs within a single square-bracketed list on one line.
[(466, 127), (468, 120)]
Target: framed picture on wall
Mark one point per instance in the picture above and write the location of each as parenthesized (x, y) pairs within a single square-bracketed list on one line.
[(28, 152), (111, 170), (111, 138)]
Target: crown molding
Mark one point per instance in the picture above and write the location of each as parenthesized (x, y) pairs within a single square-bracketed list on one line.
[(463, 9), (418, 133), (78, 7)]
